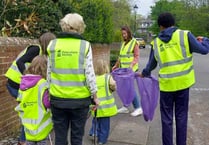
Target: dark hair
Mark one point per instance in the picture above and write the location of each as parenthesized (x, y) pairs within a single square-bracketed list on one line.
[(127, 29), (166, 20)]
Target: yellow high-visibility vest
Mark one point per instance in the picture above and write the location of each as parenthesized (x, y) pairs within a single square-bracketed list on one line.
[(107, 106), (35, 118), (126, 54), (175, 62), (67, 76), (13, 72)]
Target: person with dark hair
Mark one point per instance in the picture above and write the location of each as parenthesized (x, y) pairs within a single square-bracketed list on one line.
[(173, 51), (21, 63), (129, 58)]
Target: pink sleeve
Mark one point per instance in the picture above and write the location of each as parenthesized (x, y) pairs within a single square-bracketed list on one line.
[(46, 100)]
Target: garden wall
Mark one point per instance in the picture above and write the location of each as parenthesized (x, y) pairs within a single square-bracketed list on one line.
[(10, 47)]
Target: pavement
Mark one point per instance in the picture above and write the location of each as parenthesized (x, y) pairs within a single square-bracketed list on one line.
[(124, 129)]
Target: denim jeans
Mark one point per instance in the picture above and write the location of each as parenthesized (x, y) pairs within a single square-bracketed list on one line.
[(102, 128), (136, 101), (14, 93)]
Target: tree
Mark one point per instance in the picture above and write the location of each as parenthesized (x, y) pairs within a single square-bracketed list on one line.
[(191, 15), (30, 18), (121, 16)]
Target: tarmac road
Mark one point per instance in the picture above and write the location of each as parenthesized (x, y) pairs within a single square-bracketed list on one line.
[(198, 124)]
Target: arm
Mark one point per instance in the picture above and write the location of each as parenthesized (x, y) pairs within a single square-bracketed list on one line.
[(151, 65), (136, 55), (112, 84), (31, 52), (196, 46), (46, 100), (90, 76), (117, 64)]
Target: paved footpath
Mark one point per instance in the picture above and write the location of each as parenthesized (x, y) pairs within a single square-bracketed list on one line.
[(124, 130)]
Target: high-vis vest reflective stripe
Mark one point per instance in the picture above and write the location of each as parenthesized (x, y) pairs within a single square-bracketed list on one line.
[(175, 62), (126, 54), (13, 72), (35, 118), (67, 59), (107, 106)]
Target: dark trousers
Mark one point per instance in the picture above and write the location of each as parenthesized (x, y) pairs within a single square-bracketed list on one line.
[(174, 102), (65, 118)]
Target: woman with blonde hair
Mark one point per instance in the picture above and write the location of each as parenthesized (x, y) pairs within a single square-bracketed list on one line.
[(72, 80), (107, 107), (33, 101)]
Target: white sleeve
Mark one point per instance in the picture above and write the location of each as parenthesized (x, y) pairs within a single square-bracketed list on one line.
[(89, 73)]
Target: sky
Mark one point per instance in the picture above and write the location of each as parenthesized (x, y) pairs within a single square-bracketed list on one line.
[(144, 6)]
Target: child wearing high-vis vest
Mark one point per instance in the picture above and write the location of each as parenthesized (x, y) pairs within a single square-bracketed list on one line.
[(107, 107), (34, 102)]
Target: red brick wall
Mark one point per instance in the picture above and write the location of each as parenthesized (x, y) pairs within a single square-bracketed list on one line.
[(9, 49)]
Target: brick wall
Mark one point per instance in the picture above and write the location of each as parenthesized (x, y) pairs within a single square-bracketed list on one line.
[(9, 49)]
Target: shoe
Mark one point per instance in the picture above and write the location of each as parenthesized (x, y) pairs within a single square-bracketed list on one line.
[(137, 112), (92, 135), (100, 143), (123, 110)]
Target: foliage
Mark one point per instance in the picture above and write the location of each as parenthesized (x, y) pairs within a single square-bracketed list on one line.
[(121, 16), (98, 18), (30, 18), (191, 15)]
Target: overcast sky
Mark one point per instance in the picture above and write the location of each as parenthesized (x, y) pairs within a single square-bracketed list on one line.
[(144, 6)]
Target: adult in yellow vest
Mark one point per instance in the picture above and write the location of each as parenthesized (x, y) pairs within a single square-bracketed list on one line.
[(34, 102), (172, 50), (107, 107), (21, 63), (129, 58), (72, 80)]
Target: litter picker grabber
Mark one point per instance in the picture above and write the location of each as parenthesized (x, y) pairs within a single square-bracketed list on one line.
[(95, 126)]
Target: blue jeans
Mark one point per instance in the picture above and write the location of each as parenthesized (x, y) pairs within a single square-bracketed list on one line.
[(102, 128), (14, 93), (136, 101)]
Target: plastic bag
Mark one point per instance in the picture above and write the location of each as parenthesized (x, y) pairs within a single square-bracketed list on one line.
[(124, 78)]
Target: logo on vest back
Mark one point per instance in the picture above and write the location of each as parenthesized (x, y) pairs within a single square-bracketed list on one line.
[(28, 104), (61, 53)]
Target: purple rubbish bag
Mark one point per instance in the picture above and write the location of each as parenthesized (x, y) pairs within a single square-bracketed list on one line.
[(124, 78), (149, 91)]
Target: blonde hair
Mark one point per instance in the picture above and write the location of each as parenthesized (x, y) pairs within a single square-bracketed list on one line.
[(38, 66), (44, 41), (101, 67), (72, 22)]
